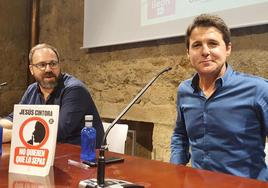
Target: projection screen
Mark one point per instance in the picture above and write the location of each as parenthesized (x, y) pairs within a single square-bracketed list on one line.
[(112, 22)]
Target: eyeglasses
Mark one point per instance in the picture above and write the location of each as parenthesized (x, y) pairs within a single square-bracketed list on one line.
[(42, 66)]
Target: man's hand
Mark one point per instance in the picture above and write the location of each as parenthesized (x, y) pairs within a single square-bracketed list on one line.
[(7, 134), (7, 129)]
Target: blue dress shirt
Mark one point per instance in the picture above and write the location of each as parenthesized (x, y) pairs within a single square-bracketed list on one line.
[(225, 132), (75, 102)]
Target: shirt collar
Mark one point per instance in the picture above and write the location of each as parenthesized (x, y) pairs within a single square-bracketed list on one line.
[(219, 82)]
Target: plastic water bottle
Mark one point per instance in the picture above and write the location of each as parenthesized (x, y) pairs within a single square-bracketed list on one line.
[(88, 140), (1, 133)]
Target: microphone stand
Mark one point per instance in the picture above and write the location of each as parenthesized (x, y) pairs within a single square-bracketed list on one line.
[(101, 159)]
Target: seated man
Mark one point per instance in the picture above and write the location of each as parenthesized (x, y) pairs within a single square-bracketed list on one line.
[(222, 114), (54, 87)]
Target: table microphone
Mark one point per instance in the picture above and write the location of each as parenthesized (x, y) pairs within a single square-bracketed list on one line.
[(100, 182)]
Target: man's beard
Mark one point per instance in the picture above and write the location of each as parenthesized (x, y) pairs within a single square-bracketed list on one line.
[(48, 84)]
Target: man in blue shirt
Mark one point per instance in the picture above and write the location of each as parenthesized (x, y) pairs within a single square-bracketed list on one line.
[(54, 87), (222, 114)]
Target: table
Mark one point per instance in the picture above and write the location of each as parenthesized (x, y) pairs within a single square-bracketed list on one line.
[(148, 173)]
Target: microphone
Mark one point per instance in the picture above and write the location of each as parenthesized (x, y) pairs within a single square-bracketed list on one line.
[(101, 160), (3, 84), (131, 103)]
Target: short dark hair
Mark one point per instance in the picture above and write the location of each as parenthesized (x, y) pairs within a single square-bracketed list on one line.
[(209, 20), (40, 46)]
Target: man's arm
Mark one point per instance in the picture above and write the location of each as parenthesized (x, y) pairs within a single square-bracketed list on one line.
[(179, 145), (5, 123), (262, 105), (7, 129), (76, 103), (179, 141)]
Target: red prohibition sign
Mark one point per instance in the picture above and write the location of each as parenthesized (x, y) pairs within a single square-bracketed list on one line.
[(25, 123)]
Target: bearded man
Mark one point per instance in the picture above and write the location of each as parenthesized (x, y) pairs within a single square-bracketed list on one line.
[(54, 87)]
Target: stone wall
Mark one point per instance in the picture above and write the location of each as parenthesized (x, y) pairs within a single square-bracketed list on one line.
[(115, 74), (14, 40)]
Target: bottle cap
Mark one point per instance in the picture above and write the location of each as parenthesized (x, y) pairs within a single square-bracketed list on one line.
[(88, 117)]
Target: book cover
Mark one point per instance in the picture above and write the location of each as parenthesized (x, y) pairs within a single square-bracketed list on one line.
[(34, 138)]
